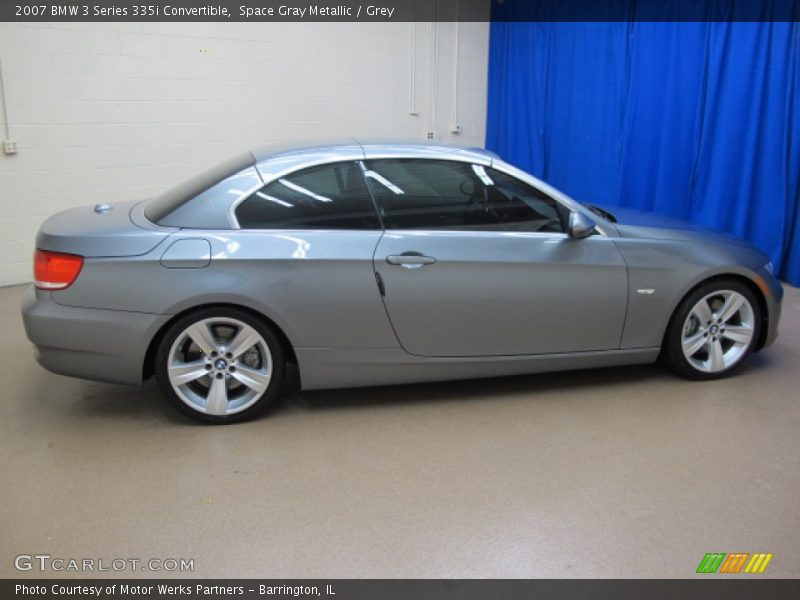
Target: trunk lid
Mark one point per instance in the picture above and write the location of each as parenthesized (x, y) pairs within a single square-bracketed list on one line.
[(93, 232)]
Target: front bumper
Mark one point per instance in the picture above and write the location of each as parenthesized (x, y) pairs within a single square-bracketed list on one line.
[(103, 345), (773, 295)]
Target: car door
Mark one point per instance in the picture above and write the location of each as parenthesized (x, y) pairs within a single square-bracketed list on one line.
[(475, 262), (305, 248)]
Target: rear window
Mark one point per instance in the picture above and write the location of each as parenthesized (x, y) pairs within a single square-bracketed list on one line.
[(160, 207)]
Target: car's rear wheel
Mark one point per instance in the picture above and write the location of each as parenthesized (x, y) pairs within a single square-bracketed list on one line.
[(713, 330), (219, 365)]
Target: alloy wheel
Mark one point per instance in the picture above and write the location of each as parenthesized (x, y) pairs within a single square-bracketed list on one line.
[(219, 366), (718, 331)]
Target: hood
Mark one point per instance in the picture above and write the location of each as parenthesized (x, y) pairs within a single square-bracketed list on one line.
[(641, 224), (640, 218)]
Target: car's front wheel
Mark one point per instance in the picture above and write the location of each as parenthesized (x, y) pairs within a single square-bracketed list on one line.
[(713, 330), (219, 365)]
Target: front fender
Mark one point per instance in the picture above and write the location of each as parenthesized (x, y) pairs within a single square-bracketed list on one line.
[(662, 272)]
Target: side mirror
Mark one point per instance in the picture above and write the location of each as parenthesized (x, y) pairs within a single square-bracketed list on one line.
[(580, 226)]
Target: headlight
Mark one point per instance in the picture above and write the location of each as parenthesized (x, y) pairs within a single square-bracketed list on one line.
[(770, 268)]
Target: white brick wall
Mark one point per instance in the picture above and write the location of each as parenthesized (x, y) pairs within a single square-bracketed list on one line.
[(117, 111)]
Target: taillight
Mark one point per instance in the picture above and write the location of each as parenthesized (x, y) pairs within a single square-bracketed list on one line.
[(54, 270)]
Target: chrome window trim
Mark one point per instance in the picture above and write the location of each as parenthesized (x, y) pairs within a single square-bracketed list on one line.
[(313, 157), (480, 233), (511, 171), (560, 197), (288, 171), (234, 222), (304, 159)]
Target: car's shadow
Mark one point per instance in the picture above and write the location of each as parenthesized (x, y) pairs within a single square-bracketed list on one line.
[(467, 389), (146, 403), (577, 382)]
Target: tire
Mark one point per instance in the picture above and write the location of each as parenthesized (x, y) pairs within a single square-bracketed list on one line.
[(713, 330), (220, 365)]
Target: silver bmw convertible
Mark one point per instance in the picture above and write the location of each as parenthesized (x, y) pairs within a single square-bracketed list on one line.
[(370, 264)]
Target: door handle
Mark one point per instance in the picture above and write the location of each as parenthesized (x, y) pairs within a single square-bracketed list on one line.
[(410, 260)]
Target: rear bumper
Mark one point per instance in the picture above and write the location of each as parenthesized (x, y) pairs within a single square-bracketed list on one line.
[(103, 345)]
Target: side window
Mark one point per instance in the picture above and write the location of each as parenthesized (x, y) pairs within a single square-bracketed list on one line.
[(425, 194), (440, 194), (331, 196), (518, 206)]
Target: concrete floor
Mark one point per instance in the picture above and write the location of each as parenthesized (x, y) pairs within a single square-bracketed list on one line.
[(615, 473)]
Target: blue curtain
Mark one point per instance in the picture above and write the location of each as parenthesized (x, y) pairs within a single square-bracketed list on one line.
[(698, 120)]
